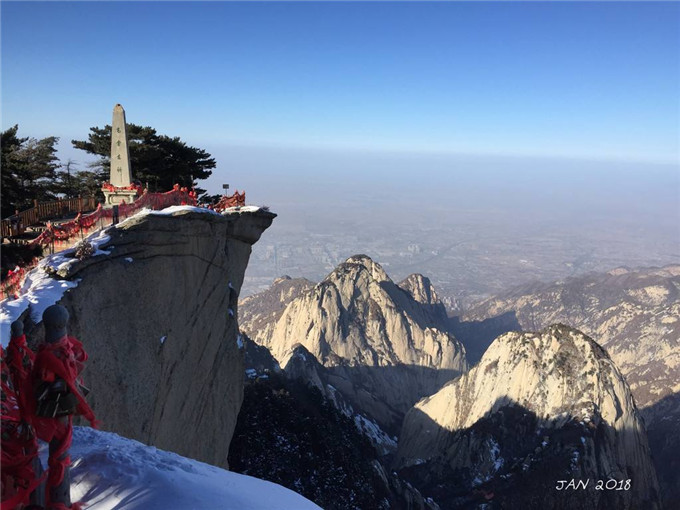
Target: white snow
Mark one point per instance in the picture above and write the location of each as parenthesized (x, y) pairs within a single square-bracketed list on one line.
[(495, 455), (231, 312), (239, 341), (39, 292), (128, 259), (113, 473), (163, 339), (178, 208), (373, 431), (251, 373), (244, 208), (99, 238)]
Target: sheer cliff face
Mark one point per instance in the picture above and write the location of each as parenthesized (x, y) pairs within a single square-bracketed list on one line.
[(383, 344), (538, 408), (154, 316)]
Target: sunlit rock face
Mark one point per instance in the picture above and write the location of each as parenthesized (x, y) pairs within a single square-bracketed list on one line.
[(538, 408), (259, 313), (385, 346), (635, 316)]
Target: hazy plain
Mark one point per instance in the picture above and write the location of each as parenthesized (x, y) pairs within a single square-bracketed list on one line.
[(474, 224)]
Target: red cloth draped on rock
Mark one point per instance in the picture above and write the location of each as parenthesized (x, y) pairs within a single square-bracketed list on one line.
[(20, 360), (19, 446), (63, 359)]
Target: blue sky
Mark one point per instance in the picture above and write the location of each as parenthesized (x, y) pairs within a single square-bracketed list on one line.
[(555, 79)]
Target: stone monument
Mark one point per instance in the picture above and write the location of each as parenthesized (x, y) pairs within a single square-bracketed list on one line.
[(119, 187)]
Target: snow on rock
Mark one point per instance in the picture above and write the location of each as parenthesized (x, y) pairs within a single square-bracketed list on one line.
[(39, 292), (179, 208), (377, 436), (111, 472), (244, 208)]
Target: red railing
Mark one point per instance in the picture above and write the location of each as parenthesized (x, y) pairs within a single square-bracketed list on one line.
[(83, 224), (64, 235), (40, 211)]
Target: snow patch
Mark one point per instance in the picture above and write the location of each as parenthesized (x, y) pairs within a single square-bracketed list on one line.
[(163, 339), (111, 472), (39, 291), (371, 429), (244, 208), (128, 259), (239, 341), (179, 208)]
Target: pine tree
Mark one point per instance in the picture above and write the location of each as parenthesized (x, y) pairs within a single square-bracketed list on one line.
[(159, 160), (29, 170)]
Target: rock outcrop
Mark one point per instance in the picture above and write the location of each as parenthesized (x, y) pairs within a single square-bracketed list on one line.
[(635, 315), (538, 408), (385, 347), (261, 311), (288, 434), (156, 310)]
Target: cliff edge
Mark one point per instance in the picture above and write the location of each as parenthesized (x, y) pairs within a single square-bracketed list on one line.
[(156, 309)]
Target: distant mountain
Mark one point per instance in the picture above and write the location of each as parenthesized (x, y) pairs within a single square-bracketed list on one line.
[(384, 346), (538, 408), (258, 313), (634, 315)]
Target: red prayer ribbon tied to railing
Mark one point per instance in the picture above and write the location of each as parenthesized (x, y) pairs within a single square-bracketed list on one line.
[(70, 229), (82, 224), (15, 279), (236, 200)]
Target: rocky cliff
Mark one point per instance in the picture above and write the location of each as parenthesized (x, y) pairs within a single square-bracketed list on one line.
[(156, 310), (384, 346), (635, 315), (260, 312), (538, 408)]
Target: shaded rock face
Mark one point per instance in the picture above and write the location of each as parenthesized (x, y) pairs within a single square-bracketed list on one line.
[(635, 315), (289, 434), (384, 348), (538, 408), (338, 391), (154, 316)]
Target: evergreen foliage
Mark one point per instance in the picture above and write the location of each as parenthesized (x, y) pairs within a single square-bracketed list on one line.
[(160, 160), (29, 170), (289, 434)]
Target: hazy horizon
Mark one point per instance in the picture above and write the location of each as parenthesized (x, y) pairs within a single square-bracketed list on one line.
[(484, 144)]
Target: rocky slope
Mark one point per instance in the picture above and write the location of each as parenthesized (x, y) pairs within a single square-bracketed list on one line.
[(288, 433), (384, 345), (635, 315), (538, 408), (156, 311), (260, 312)]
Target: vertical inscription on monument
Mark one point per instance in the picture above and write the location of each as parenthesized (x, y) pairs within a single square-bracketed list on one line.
[(120, 157)]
